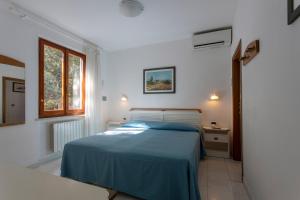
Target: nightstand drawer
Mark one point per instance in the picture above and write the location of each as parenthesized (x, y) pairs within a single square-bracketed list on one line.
[(216, 138), (217, 146)]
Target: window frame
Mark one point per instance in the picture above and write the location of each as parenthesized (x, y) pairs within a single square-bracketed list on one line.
[(83, 57), (65, 111)]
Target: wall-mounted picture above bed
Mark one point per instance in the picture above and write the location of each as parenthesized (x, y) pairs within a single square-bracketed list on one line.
[(160, 80)]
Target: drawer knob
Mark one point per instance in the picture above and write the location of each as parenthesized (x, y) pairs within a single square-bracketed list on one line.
[(215, 138)]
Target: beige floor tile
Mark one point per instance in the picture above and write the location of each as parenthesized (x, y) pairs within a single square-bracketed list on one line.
[(219, 193), (202, 180), (217, 175), (234, 169), (202, 166), (218, 165), (216, 182), (238, 191), (202, 174), (215, 162), (51, 167)]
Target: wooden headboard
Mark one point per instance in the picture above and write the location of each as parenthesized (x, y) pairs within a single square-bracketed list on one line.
[(166, 109), (185, 115)]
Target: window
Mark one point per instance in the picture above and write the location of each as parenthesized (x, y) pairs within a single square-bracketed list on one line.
[(61, 80)]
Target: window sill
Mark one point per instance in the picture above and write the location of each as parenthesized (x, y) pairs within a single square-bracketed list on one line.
[(54, 119)]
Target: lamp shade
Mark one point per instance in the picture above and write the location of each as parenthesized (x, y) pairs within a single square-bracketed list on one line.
[(124, 98), (214, 97), (131, 8)]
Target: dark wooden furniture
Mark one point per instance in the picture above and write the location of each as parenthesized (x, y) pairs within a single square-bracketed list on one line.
[(237, 104)]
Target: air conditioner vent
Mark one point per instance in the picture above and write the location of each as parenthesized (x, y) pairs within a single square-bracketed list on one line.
[(213, 38)]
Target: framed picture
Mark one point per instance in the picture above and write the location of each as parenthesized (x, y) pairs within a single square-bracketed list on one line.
[(18, 87), (160, 80), (293, 10)]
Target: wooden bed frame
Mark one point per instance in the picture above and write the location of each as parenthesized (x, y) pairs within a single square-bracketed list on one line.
[(190, 116), (166, 109)]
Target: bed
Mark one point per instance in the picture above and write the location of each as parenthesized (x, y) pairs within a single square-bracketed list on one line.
[(150, 159)]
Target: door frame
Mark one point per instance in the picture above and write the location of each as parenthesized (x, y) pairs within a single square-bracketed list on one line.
[(237, 144), (4, 100)]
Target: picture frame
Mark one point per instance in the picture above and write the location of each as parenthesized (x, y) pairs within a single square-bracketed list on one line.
[(293, 11), (18, 87), (159, 80)]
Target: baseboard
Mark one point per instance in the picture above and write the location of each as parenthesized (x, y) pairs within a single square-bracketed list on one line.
[(46, 159), (248, 189)]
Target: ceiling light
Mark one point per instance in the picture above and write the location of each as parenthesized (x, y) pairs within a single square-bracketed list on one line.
[(131, 8)]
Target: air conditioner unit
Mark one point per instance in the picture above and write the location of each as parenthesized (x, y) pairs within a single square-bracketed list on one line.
[(213, 38)]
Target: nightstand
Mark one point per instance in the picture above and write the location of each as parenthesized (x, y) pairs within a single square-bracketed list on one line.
[(110, 125), (217, 142)]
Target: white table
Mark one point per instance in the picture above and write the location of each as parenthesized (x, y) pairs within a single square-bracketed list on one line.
[(18, 183)]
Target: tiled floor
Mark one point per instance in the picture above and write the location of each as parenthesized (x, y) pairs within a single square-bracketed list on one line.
[(219, 179)]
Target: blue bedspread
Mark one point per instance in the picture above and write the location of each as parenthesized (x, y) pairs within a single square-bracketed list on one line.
[(156, 164)]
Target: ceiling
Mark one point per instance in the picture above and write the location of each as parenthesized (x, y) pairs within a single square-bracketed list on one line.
[(100, 21)]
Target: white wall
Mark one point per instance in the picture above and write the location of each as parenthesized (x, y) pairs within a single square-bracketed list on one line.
[(271, 100), (103, 74), (25, 144), (198, 74)]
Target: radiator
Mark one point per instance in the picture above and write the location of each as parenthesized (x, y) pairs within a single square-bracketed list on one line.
[(64, 132)]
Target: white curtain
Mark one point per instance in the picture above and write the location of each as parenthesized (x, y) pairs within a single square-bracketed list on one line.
[(92, 111)]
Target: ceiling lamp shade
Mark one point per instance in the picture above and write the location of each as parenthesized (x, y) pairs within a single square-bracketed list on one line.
[(131, 8)]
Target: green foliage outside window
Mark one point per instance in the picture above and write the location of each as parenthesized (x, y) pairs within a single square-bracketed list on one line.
[(74, 82), (53, 62)]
